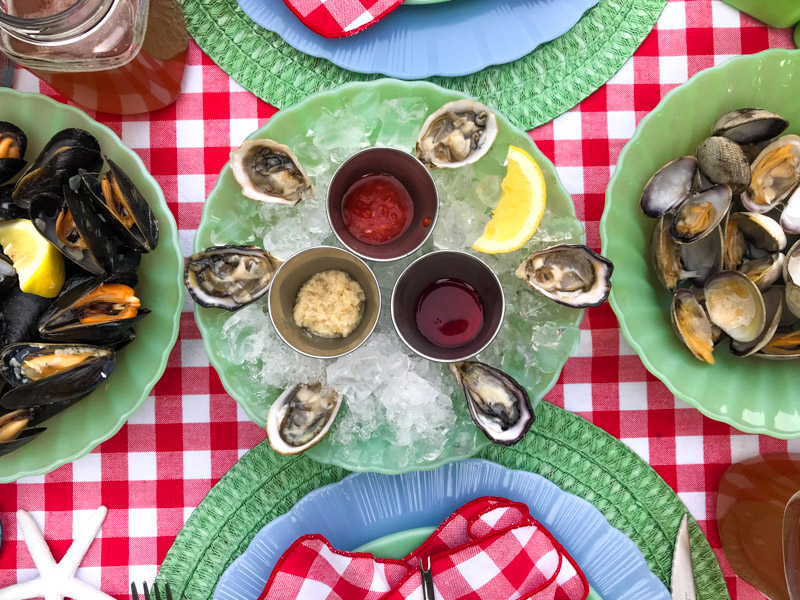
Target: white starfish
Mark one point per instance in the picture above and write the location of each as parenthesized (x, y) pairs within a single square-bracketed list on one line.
[(56, 581)]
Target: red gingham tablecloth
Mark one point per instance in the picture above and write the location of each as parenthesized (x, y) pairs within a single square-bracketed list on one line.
[(158, 468)]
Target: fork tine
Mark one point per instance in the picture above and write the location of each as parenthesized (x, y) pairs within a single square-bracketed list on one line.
[(146, 591), (134, 593), (169, 592), (156, 592)]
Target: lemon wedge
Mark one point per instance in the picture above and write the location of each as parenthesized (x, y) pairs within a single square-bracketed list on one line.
[(39, 264), (520, 208)]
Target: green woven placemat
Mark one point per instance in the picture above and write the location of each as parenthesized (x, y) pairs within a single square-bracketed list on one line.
[(530, 91), (566, 449)]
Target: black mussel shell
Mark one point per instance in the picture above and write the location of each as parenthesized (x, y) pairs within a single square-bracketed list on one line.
[(8, 276), (8, 210), (27, 435), (71, 226), (126, 259), (141, 228), (68, 385), (19, 314), (65, 154), (11, 166), (62, 321)]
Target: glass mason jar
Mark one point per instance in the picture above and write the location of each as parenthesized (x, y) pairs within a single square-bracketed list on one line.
[(118, 56)]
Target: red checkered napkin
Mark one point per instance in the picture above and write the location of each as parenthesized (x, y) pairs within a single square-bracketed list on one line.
[(489, 549), (340, 18)]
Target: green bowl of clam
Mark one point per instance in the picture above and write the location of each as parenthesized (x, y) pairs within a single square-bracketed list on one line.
[(702, 221)]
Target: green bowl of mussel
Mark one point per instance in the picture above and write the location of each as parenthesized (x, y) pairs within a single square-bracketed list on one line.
[(76, 366), (743, 387)]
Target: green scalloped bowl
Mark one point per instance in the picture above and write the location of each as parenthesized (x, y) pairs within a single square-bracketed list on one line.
[(78, 430), (753, 395), (221, 206)]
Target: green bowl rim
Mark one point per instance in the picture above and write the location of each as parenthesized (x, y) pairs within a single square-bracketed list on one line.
[(171, 224), (612, 300), (300, 106)]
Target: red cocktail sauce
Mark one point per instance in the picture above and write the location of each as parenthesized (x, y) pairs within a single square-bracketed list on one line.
[(377, 209), (449, 313)]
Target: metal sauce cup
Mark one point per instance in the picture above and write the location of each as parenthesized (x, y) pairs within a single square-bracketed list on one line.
[(439, 265), (412, 174), (294, 273)]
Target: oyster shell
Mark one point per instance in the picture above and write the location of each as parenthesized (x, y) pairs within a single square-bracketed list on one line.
[(301, 417), (691, 324), (774, 175), (572, 275), (499, 406), (229, 277), (270, 172), (458, 134)]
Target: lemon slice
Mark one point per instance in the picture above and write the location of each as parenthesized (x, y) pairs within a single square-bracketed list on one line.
[(39, 264), (520, 209)]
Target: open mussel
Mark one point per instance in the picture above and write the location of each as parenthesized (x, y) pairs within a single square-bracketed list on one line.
[(229, 277), (700, 214), (499, 406), (692, 325), (572, 275), (301, 416), (65, 154), (13, 143), (43, 374), (8, 210), (270, 172), (70, 224), (97, 311), (123, 207), (16, 430), (8, 276)]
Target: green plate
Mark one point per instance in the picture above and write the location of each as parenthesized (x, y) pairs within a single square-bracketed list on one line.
[(397, 545), (226, 210), (76, 431), (753, 395)]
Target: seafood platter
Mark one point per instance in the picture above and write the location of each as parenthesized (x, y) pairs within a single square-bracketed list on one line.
[(76, 232), (358, 296)]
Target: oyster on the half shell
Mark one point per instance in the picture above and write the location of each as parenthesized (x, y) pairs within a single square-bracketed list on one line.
[(270, 172), (457, 134)]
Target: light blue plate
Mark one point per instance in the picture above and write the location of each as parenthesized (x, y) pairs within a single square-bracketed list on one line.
[(415, 42), (366, 506)]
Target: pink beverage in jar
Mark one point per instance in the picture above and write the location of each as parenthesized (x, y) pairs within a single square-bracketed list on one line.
[(118, 56)]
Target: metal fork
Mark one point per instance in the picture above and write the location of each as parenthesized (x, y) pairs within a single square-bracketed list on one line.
[(156, 594), (428, 592)]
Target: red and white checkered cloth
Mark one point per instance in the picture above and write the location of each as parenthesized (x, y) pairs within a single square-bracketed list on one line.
[(163, 462), (340, 18), (489, 549)]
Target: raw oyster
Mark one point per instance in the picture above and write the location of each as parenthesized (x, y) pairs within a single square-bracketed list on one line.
[(691, 324), (229, 277), (775, 174), (457, 134), (499, 405), (270, 172), (301, 417), (572, 275)]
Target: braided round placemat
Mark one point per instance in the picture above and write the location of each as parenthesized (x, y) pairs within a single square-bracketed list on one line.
[(530, 91), (566, 449)]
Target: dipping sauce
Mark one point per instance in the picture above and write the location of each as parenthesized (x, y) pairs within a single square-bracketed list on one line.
[(449, 313), (330, 304), (377, 209)]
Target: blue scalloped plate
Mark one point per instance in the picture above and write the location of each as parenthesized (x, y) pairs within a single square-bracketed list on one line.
[(366, 506), (415, 42)]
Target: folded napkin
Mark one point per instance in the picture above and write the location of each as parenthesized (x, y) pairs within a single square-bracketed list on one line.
[(489, 549), (340, 18)]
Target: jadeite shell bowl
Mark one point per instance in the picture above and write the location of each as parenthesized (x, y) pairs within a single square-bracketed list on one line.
[(751, 394)]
